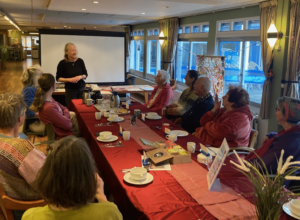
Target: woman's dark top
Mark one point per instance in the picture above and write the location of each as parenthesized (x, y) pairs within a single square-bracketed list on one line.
[(70, 70)]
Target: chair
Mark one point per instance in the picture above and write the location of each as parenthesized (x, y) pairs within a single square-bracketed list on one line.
[(8, 204), (27, 131), (178, 121), (50, 136), (253, 138)]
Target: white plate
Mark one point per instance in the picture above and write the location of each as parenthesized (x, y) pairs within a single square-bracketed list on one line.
[(180, 133), (287, 208), (124, 113), (119, 119), (149, 179), (156, 118), (112, 139)]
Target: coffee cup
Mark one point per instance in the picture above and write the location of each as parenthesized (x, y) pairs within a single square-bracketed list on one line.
[(106, 114), (105, 135), (126, 135), (113, 117), (99, 101), (89, 102), (152, 114), (103, 111), (191, 146), (98, 115), (164, 126), (137, 113), (138, 173), (295, 206), (172, 137)]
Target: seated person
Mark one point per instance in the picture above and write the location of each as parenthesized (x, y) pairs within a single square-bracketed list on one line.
[(29, 80), (288, 139), (190, 120), (51, 112), (231, 122), (162, 93), (70, 192), (19, 160), (186, 99)]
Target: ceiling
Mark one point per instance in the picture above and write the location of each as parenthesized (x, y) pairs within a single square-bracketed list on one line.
[(106, 14)]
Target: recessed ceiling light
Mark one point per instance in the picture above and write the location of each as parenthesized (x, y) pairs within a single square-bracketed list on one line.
[(65, 26), (69, 27), (95, 27), (95, 2), (83, 9), (166, 7), (143, 13)]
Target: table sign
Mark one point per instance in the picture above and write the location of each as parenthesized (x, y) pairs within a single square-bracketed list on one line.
[(212, 181)]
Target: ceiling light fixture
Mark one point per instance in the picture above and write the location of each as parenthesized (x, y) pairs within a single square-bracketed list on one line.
[(83, 9), (33, 33), (95, 27), (143, 13), (166, 7), (95, 2), (6, 18), (65, 26), (10, 21)]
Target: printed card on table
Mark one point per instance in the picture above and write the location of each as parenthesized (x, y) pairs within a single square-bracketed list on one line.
[(217, 164)]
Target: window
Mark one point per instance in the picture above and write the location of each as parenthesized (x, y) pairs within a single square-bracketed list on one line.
[(243, 66), (180, 30), (196, 29), (149, 32), (224, 26), (238, 26), (155, 32), (187, 30), (138, 33), (152, 32), (253, 24), (142, 33), (205, 28), (185, 60), (137, 55), (153, 56)]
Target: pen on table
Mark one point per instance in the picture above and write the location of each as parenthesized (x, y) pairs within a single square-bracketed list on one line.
[(205, 154)]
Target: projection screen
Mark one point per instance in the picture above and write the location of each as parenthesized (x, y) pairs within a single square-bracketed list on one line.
[(102, 52)]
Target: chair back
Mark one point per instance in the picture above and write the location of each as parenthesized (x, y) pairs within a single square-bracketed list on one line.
[(253, 138), (50, 132), (8, 204)]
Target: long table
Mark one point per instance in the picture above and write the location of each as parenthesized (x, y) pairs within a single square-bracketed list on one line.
[(164, 198)]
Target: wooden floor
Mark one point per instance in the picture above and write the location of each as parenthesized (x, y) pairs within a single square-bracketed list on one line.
[(10, 79)]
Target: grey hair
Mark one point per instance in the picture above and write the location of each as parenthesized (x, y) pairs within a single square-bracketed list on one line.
[(164, 75), (12, 106), (66, 50), (30, 75), (205, 81)]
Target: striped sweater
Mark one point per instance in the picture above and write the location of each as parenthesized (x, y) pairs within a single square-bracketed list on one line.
[(19, 165)]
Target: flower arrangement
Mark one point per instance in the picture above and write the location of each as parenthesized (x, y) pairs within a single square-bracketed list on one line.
[(269, 192)]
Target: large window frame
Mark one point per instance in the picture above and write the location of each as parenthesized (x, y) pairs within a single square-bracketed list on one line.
[(190, 40), (134, 71), (190, 35)]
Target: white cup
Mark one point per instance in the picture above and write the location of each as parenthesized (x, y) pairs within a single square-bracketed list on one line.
[(172, 137), (103, 111), (295, 206), (105, 135), (152, 114), (89, 102), (98, 115), (138, 173), (126, 135), (99, 101), (113, 117), (191, 146), (106, 114)]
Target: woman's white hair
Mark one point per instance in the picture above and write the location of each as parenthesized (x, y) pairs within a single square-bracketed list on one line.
[(164, 75)]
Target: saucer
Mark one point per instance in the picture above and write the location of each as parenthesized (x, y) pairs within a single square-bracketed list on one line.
[(119, 119), (156, 118), (180, 133), (149, 179), (112, 139), (287, 209)]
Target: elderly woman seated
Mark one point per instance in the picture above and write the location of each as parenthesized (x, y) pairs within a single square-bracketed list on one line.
[(288, 139), (69, 183), (162, 93), (186, 99), (231, 122), (20, 161)]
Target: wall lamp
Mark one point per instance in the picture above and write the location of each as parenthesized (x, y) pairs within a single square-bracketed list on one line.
[(162, 38), (273, 35)]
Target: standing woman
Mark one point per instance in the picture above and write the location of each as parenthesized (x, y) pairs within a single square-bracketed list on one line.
[(29, 81), (51, 112), (72, 72)]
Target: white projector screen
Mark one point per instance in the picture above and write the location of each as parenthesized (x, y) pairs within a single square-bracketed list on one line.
[(104, 56)]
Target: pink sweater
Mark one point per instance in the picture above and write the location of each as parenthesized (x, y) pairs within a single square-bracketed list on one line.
[(57, 115)]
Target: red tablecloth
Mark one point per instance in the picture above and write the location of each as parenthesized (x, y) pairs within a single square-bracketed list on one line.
[(164, 198)]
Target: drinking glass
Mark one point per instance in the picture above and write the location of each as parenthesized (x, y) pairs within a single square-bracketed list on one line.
[(133, 120)]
